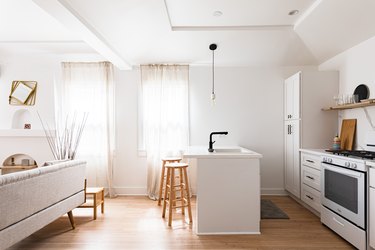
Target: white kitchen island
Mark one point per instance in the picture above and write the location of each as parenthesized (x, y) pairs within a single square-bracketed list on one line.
[(228, 190)]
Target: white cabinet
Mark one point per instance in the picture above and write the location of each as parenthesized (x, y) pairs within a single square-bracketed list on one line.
[(310, 179), (305, 124), (292, 173), (311, 197), (372, 208), (292, 97)]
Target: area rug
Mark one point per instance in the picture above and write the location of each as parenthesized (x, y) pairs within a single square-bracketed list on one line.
[(270, 211)]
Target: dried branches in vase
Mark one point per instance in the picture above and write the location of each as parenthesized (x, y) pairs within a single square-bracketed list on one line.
[(64, 141)]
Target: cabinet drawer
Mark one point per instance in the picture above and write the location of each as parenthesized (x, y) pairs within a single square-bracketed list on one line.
[(311, 160), (311, 197), (311, 177)]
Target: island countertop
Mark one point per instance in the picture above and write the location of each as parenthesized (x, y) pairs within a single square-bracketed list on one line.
[(220, 152)]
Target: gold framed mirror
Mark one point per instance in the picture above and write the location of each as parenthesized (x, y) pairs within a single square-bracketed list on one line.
[(23, 93)]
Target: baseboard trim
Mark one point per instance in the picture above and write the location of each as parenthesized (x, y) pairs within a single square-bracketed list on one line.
[(141, 191), (273, 191), (123, 191)]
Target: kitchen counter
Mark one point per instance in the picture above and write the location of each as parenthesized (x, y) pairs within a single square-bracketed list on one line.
[(220, 152), (228, 190), (313, 151)]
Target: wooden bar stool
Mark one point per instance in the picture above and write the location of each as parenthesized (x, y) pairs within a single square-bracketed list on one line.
[(171, 187), (165, 160)]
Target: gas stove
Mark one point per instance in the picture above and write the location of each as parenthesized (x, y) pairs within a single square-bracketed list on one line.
[(362, 154), (345, 161)]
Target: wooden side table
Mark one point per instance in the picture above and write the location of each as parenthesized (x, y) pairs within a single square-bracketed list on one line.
[(96, 198)]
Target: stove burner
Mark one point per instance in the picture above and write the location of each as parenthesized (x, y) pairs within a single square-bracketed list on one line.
[(356, 153)]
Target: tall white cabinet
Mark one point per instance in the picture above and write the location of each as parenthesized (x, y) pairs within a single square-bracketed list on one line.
[(305, 124)]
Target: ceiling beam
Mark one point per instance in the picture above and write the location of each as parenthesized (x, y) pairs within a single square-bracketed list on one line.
[(307, 13), (65, 14)]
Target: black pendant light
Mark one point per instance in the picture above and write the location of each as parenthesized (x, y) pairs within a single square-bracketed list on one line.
[(213, 47)]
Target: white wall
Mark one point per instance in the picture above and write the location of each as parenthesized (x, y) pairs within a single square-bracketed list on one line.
[(249, 106), (130, 175), (356, 66), (29, 68)]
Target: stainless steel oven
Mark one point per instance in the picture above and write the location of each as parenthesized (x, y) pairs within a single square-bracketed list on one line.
[(343, 191)]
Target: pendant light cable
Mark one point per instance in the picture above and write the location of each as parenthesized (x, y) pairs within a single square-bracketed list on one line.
[(213, 72), (213, 48)]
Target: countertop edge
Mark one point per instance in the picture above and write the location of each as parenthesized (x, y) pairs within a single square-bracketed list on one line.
[(313, 151)]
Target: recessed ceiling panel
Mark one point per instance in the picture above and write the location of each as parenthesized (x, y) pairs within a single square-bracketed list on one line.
[(235, 13)]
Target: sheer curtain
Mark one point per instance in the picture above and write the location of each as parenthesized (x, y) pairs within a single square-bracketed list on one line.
[(165, 116), (89, 87)]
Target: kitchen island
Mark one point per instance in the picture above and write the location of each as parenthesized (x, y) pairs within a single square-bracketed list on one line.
[(228, 190)]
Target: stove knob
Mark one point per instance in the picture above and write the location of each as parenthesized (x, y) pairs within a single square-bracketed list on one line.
[(347, 164), (354, 165), (329, 160), (324, 159)]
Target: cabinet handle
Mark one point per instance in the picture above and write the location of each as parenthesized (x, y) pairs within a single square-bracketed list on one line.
[(308, 196), (338, 222), (311, 178), (290, 129), (310, 161)]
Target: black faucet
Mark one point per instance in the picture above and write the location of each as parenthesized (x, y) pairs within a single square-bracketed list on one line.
[(211, 143)]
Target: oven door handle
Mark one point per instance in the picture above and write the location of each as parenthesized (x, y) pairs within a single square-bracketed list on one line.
[(340, 170)]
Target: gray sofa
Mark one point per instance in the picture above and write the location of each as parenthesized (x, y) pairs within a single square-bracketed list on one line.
[(31, 199)]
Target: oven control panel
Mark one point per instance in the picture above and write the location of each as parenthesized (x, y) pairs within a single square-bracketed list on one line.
[(345, 162)]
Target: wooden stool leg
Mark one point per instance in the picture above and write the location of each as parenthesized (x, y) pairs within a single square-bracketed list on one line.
[(188, 195), (171, 198), (182, 183), (71, 219), (102, 208), (95, 204), (166, 193), (161, 183)]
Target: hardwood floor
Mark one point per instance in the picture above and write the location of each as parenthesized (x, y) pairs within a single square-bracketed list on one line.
[(136, 223)]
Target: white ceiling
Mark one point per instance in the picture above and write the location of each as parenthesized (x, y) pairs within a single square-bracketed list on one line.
[(244, 13), (249, 33)]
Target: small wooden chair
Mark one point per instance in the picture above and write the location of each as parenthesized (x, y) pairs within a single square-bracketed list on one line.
[(97, 194)]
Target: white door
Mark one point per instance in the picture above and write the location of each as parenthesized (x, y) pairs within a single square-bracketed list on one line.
[(292, 166), (289, 157), (288, 98), (292, 97)]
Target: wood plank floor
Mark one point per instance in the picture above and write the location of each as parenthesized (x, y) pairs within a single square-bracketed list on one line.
[(136, 223)]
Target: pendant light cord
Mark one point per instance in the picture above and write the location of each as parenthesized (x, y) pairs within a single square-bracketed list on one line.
[(213, 71)]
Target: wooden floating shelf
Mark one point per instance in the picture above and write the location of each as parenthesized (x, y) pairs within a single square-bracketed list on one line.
[(19, 167), (350, 106)]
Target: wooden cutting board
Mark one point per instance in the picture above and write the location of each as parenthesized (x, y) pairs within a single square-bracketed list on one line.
[(347, 133)]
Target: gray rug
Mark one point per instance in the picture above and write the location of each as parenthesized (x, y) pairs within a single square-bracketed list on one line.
[(270, 211)]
